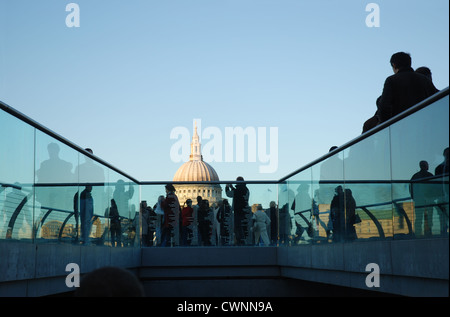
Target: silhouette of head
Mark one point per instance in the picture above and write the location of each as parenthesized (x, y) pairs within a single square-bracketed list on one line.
[(424, 71), (400, 60), (53, 150), (170, 188), (110, 282), (446, 153), (120, 185), (423, 165)]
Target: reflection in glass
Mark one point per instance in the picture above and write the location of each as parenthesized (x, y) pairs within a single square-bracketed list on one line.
[(16, 177), (301, 208), (368, 176), (390, 185), (17, 213), (327, 176), (54, 189), (417, 193)]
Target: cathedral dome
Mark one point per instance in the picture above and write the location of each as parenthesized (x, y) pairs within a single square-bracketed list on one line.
[(195, 170)]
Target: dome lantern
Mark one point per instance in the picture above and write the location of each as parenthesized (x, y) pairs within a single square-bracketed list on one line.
[(196, 170)]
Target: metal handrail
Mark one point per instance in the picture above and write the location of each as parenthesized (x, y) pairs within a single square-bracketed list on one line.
[(60, 138), (439, 95)]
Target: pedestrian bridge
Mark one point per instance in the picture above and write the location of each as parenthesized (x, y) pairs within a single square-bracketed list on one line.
[(358, 220)]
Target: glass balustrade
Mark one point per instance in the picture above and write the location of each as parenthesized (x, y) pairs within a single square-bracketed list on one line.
[(52, 192), (391, 184), (217, 219)]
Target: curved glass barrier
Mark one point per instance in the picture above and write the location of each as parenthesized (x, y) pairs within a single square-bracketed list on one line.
[(419, 151), (389, 184), (52, 192), (219, 218)]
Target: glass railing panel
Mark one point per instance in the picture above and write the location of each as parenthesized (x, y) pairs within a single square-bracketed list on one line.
[(263, 199), (16, 179), (327, 182), (368, 190), (121, 219), (154, 216), (90, 172), (285, 214), (304, 221), (420, 191), (47, 186), (55, 186), (213, 221), (90, 203)]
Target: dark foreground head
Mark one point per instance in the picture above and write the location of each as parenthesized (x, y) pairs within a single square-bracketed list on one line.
[(110, 282)]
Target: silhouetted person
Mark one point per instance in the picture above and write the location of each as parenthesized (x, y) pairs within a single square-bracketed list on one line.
[(86, 213), (371, 122), (375, 120), (115, 224), (350, 215), (196, 240), (204, 223), (110, 282), (116, 227), (186, 223), (144, 213), (159, 221), (152, 225), (273, 215), (422, 194), (240, 195), (285, 198), (224, 218), (337, 214), (171, 207), (302, 207), (54, 171), (404, 89), (90, 171), (261, 221), (122, 197), (442, 170), (425, 71)]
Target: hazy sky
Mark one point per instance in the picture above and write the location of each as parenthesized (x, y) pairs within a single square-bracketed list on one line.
[(135, 72)]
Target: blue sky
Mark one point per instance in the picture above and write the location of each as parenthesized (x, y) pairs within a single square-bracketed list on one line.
[(135, 70)]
